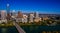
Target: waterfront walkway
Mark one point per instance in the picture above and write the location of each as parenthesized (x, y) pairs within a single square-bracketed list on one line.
[(20, 30)]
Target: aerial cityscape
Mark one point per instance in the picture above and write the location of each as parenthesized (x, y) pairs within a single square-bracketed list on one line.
[(29, 16)]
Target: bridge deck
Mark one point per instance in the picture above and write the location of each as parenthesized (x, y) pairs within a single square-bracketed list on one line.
[(20, 30)]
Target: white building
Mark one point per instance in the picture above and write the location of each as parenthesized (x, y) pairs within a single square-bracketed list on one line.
[(24, 20), (37, 19), (31, 18), (18, 19)]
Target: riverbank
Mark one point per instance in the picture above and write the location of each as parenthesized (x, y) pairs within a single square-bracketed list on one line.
[(10, 24)]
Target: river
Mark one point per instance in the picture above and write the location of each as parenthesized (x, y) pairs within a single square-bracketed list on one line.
[(30, 29)]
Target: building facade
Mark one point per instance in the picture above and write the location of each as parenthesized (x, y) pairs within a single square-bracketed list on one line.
[(24, 20), (31, 18), (3, 16)]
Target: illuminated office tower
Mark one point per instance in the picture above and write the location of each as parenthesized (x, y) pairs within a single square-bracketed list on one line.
[(24, 20), (8, 12), (3, 16), (31, 18)]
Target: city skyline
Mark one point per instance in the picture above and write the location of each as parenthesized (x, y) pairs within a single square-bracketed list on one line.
[(41, 6)]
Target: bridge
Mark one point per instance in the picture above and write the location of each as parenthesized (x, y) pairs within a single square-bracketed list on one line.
[(20, 30)]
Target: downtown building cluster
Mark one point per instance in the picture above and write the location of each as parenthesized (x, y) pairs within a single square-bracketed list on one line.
[(6, 15), (19, 16), (12, 15)]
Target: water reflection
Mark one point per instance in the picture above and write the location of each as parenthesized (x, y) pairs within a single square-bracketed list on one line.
[(31, 29), (8, 30), (4, 30)]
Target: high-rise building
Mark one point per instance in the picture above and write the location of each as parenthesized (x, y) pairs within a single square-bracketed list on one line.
[(19, 17), (3, 14), (24, 20), (13, 14), (8, 16), (31, 18), (8, 8), (8, 12), (37, 18), (0, 14), (37, 15)]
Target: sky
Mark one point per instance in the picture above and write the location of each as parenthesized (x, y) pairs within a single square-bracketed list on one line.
[(41, 6)]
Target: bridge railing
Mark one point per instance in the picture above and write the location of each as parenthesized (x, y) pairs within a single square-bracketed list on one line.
[(20, 30)]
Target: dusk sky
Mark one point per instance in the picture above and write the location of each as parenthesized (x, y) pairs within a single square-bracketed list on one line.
[(41, 6)]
